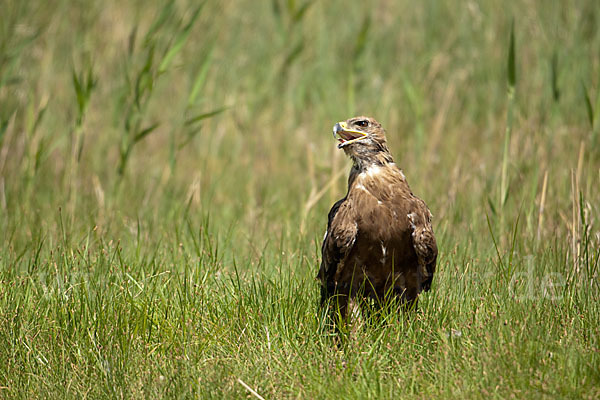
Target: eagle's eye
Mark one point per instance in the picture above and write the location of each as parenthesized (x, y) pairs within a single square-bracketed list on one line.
[(362, 123)]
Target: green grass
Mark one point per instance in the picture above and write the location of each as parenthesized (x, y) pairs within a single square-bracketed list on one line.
[(166, 171)]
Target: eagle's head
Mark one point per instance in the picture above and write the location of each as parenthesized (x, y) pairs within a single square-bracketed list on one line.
[(362, 138)]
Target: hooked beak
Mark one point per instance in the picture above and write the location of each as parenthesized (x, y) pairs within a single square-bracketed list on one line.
[(346, 136)]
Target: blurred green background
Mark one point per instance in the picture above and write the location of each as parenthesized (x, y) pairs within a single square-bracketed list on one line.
[(160, 162)]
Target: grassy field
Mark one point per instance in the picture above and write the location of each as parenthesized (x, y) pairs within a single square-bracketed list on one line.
[(166, 172)]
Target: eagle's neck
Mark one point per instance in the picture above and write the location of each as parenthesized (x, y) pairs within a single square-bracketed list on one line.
[(362, 162)]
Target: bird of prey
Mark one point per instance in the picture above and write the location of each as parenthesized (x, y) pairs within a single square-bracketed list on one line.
[(379, 238)]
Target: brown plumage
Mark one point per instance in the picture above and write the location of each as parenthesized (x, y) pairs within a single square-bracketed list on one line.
[(379, 237)]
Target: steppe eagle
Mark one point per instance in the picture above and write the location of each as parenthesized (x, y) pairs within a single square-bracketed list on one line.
[(379, 238)]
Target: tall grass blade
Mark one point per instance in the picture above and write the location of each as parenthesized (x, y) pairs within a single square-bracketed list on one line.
[(145, 132), (361, 39), (300, 12), (588, 105), (78, 90), (512, 70), (512, 80), (166, 12), (202, 116), (293, 54), (200, 78), (503, 269), (145, 80), (180, 41), (131, 41), (3, 128), (554, 77), (84, 84), (276, 8)]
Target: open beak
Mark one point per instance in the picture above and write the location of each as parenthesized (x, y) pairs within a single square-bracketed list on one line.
[(346, 136)]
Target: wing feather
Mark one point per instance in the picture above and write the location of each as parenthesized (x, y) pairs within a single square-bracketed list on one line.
[(424, 242), (339, 239)]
